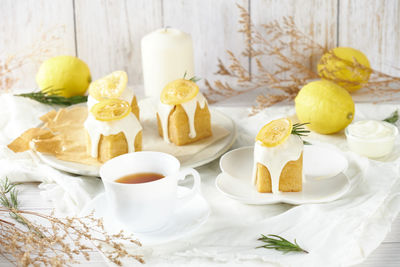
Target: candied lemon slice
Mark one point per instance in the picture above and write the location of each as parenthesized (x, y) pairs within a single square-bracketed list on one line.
[(179, 91), (110, 110), (110, 86), (274, 133)]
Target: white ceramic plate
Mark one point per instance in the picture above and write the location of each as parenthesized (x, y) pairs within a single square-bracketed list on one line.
[(321, 162), (237, 167), (189, 217), (198, 159)]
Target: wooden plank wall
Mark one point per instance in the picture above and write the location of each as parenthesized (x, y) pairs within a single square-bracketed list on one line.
[(316, 18), (23, 24), (106, 33), (373, 26)]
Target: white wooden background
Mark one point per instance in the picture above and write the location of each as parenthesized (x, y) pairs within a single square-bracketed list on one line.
[(106, 33)]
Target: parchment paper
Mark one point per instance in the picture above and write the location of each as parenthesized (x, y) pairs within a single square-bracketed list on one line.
[(64, 136)]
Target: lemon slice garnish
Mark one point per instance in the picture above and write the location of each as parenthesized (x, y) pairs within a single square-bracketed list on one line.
[(110, 86), (179, 91), (110, 110), (274, 133)]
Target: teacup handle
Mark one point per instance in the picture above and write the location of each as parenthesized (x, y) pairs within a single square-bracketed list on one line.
[(187, 196)]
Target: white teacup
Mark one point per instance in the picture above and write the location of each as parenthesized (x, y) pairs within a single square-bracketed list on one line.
[(148, 206)]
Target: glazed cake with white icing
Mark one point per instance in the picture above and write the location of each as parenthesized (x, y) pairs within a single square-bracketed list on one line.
[(112, 125), (183, 116), (108, 139), (278, 159)]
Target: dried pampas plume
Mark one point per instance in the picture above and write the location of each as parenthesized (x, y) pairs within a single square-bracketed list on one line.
[(29, 238), (282, 54)]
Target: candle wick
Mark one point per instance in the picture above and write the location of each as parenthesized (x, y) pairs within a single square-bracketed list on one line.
[(166, 28)]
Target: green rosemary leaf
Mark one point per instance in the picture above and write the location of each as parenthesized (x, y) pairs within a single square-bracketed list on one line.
[(393, 118), (14, 198), (306, 143), (6, 186), (298, 129), (9, 199), (193, 79), (8, 194), (52, 97), (279, 243), (4, 201)]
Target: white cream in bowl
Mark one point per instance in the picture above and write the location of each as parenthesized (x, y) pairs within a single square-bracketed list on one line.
[(371, 138)]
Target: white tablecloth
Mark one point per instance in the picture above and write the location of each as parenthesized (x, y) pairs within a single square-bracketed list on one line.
[(339, 233)]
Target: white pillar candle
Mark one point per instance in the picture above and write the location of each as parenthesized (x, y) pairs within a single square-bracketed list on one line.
[(166, 55)]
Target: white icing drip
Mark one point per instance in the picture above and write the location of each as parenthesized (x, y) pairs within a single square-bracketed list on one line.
[(129, 125), (190, 108), (128, 94), (275, 158), (91, 101), (163, 113)]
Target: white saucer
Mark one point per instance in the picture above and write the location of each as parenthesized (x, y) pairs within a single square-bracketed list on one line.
[(198, 159), (323, 183), (187, 218)]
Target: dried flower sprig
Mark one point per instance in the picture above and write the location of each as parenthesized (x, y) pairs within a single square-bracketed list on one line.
[(48, 41), (281, 53), (379, 86), (393, 118), (55, 241), (285, 60), (52, 97), (279, 243)]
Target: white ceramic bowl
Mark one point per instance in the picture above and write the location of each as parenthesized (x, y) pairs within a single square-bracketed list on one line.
[(369, 145)]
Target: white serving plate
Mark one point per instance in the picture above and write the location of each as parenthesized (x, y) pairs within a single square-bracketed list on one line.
[(203, 157), (323, 169), (187, 218)]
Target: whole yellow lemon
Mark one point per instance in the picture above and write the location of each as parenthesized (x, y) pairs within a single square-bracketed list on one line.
[(328, 107), (342, 66), (67, 74)]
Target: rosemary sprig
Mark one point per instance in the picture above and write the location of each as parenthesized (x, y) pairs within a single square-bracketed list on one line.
[(51, 97), (298, 129), (9, 200), (7, 188), (193, 79), (279, 243), (393, 118)]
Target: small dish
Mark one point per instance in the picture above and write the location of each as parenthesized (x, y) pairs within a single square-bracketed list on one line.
[(188, 217), (319, 162), (324, 183), (371, 138)]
